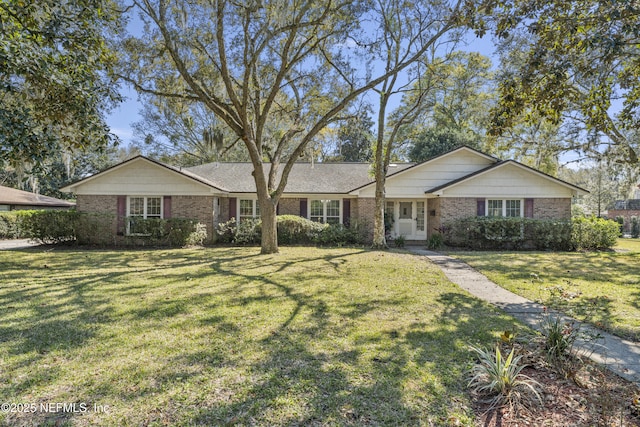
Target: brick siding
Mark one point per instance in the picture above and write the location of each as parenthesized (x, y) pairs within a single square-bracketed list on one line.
[(434, 216), (552, 208), (99, 204), (289, 206), (627, 214), (199, 208), (452, 208)]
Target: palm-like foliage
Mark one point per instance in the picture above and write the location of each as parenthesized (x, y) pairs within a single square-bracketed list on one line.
[(502, 378)]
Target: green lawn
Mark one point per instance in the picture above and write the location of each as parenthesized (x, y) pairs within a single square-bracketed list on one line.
[(228, 336), (604, 285)]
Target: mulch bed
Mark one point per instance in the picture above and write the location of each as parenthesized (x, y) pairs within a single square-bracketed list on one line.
[(595, 398)]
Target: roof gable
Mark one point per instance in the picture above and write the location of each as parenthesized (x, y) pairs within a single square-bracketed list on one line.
[(507, 178), (413, 181), (149, 176)]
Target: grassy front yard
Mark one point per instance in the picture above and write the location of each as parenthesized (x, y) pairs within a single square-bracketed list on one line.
[(603, 284), (227, 336)]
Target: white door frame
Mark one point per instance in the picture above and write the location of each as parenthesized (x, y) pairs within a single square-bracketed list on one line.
[(408, 227)]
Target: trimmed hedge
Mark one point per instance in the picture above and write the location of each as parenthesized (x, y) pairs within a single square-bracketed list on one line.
[(292, 230), (590, 233), (10, 226), (70, 226), (525, 233)]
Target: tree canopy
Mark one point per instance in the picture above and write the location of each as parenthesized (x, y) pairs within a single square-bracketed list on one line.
[(581, 63), (275, 73), (55, 83)]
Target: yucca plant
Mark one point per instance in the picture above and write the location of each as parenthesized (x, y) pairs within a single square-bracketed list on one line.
[(502, 378)]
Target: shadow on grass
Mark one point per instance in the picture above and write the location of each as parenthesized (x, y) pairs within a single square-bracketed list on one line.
[(319, 359)]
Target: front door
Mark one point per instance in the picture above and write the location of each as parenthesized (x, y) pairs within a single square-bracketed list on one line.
[(409, 219), (405, 219)]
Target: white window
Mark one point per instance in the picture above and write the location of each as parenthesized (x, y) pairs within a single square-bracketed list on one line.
[(247, 209), (510, 208), (325, 211), (142, 208), (5, 208)]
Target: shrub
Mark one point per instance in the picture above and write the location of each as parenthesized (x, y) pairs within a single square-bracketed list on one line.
[(635, 227), (502, 378), (589, 233), (226, 231), (435, 241), (95, 229), (9, 226), (338, 235), (166, 232), (248, 232), (293, 229), (399, 241), (514, 233), (49, 226), (620, 221), (198, 236), (508, 233)]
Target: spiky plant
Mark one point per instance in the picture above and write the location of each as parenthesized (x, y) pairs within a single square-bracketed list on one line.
[(502, 378)]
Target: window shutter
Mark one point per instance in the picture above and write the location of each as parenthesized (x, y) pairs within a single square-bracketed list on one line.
[(480, 204), (121, 214), (166, 206), (303, 208), (232, 208), (346, 212), (528, 208)]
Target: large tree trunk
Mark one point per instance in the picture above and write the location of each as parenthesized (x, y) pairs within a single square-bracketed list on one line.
[(269, 227), (379, 238)]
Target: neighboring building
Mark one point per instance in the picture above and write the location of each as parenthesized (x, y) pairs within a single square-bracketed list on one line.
[(12, 199), (419, 197), (626, 209)]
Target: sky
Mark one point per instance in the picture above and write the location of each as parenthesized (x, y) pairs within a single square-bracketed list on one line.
[(120, 120)]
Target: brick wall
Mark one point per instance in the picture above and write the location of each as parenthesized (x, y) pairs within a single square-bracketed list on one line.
[(195, 207), (363, 210), (627, 214), (289, 206), (552, 208), (457, 207), (192, 207), (99, 204), (434, 218), (223, 209)]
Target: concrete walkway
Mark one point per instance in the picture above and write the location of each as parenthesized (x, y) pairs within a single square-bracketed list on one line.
[(16, 244), (618, 355)]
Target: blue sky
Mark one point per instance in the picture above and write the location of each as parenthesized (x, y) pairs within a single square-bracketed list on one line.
[(120, 120)]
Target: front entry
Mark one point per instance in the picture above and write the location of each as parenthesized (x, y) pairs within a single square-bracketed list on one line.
[(406, 218)]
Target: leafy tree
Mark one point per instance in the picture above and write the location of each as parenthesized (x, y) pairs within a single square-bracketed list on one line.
[(354, 139), (455, 109), (605, 180), (580, 60), (428, 26), (432, 142), (276, 73), (57, 170), (184, 133), (54, 77)]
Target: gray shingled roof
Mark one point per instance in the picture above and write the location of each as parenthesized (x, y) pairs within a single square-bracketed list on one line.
[(11, 196), (304, 177)]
